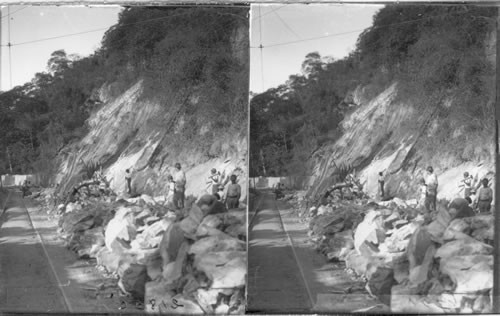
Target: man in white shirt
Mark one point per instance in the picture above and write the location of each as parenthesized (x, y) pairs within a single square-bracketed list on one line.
[(215, 180), (431, 181), (180, 186)]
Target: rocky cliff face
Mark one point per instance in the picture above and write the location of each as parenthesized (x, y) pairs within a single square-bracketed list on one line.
[(125, 133), (385, 134)]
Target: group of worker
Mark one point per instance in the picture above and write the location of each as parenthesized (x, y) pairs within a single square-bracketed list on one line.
[(428, 185), (176, 187)]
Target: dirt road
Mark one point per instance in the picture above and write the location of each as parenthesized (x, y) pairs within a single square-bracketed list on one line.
[(38, 274), (285, 273)]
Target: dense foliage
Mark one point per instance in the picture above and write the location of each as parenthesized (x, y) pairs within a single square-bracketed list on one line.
[(438, 55), (174, 50)]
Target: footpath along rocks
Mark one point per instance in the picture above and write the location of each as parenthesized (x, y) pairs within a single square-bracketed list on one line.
[(412, 264), (187, 261)]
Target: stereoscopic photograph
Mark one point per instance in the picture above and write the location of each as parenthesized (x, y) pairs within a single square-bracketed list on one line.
[(372, 158), (123, 159)]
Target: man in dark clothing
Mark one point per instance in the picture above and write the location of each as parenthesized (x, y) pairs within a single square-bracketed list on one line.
[(460, 208), (484, 197), (233, 193), (381, 181), (128, 179)]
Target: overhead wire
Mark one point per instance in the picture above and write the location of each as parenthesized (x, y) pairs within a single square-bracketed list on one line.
[(269, 12), (12, 13), (286, 25), (356, 31), (96, 30)]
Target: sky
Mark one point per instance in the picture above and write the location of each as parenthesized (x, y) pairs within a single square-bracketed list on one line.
[(37, 23), (281, 23)]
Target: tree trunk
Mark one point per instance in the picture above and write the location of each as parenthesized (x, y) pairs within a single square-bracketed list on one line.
[(263, 162), (10, 163)]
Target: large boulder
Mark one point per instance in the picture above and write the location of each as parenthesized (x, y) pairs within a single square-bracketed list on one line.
[(369, 232), (210, 205), (158, 297), (207, 298), (120, 227), (340, 243), (407, 300), (399, 239), (420, 241), (86, 243), (437, 227), (359, 264), (209, 226), (77, 221), (154, 266), (191, 222), (456, 229), (217, 243), (152, 235), (148, 199), (133, 278), (108, 259), (226, 269), (380, 282), (172, 271), (419, 273), (467, 246), (469, 273), (172, 240)]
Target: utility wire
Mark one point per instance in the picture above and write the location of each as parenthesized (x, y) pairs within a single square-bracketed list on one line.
[(358, 30), (12, 13), (269, 12), (97, 30), (286, 25)]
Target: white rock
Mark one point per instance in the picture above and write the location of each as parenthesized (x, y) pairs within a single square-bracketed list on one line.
[(148, 199), (322, 210), (222, 309), (463, 247), (226, 269), (157, 296), (412, 202), (161, 199), (370, 230), (71, 207), (399, 202), (470, 273), (206, 298), (217, 243), (173, 270), (209, 226), (404, 301), (121, 226)]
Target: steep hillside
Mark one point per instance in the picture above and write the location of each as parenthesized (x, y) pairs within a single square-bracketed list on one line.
[(148, 126), (396, 138), (120, 137), (417, 91)]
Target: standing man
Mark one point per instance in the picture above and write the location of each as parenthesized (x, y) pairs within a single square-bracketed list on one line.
[(466, 183), (233, 193), (484, 197), (180, 186), (381, 181), (432, 185), (128, 179), (214, 180)]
